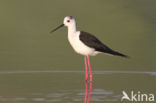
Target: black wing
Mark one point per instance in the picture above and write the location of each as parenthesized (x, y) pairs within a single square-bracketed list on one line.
[(93, 42)]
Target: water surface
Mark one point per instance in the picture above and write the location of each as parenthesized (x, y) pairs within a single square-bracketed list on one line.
[(69, 86)]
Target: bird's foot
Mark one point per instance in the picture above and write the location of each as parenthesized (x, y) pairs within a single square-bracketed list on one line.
[(88, 80)]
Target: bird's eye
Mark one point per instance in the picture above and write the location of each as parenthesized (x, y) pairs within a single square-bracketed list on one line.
[(68, 21)]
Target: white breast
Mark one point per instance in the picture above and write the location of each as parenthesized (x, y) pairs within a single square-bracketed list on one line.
[(79, 46)]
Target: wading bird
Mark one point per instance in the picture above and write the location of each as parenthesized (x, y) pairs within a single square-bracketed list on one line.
[(85, 43)]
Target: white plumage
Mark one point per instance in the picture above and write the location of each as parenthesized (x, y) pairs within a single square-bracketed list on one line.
[(74, 38)]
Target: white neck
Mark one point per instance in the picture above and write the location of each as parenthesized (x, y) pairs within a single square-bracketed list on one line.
[(72, 28)]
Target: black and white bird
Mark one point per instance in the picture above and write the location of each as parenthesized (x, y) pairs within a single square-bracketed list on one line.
[(85, 43)]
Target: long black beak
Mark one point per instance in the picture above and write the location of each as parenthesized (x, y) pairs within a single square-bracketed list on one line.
[(57, 28)]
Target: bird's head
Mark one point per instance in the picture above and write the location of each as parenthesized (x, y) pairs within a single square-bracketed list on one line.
[(68, 21)]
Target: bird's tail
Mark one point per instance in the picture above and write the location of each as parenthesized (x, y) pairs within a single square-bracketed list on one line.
[(117, 54)]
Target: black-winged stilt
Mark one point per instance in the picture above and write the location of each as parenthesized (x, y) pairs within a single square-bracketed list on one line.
[(85, 44)]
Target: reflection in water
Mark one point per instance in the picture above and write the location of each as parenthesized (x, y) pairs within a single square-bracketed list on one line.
[(72, 96), (88, 92), (100, 93)]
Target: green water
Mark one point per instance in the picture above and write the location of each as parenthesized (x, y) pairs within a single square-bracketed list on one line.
[(127, 26), (69, 86)]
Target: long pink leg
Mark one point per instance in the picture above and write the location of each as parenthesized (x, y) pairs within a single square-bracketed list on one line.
[(90, 91), (86, 78), (86, 91), (90, 71)]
